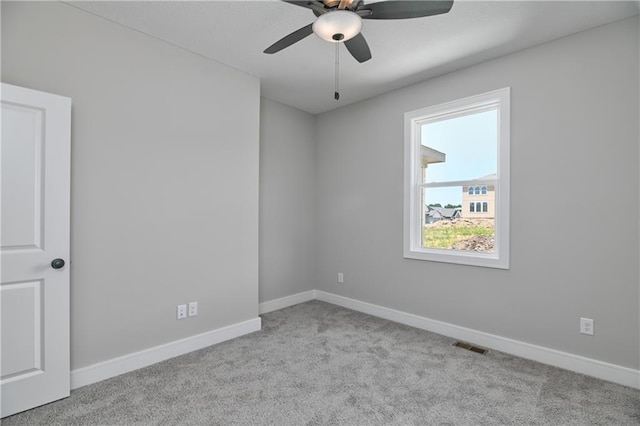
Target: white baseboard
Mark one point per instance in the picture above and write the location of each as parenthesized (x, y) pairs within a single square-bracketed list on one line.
[(591, 367), (284, 302), (114, 367)]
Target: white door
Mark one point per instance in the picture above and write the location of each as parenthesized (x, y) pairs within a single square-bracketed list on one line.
[(34, 293)]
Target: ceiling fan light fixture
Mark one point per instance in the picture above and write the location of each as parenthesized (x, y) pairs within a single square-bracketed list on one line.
[(337, 26)]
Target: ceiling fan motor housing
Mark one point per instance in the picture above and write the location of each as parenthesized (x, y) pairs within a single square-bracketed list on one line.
[(349, 4)]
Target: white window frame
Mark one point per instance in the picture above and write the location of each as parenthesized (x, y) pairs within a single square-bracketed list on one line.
[(413, 122)]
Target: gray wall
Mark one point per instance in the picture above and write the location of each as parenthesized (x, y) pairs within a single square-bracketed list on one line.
[(574, 200), (287, 195), (164, 177)]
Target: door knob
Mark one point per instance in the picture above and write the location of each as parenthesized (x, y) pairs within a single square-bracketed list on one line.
[(57, 263)]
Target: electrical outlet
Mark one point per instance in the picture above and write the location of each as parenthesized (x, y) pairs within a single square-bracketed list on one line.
[(586, 326), (340, 277), (193, 309), (181, 312)]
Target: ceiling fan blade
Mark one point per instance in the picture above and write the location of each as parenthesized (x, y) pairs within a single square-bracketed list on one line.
[(288, 40), (358, 48), (315, 5), (405, 9)]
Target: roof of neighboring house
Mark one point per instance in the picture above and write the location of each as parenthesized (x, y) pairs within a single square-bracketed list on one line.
[(441, 212), (448, 212), (430, 155), (481, 180)]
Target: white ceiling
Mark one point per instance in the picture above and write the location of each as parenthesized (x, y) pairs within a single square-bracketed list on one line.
[(404, 51)]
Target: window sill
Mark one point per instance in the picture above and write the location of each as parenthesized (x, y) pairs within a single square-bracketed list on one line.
[(459, 257)]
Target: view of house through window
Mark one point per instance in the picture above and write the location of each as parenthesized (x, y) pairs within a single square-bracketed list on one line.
[(459, 170), (456, 203)]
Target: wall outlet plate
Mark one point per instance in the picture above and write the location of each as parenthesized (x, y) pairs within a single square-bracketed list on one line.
[(586, 326), (193, 309), (340, 278), (181, 312)]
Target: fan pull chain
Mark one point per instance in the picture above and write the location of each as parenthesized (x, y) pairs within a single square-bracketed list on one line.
[(336, 94)]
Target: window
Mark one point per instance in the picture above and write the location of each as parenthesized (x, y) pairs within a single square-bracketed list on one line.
[(457, 154)]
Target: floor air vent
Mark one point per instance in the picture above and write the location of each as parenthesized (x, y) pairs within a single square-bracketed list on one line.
[(470, 347)]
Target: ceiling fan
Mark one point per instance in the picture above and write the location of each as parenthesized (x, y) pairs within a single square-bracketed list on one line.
[(340, 21)]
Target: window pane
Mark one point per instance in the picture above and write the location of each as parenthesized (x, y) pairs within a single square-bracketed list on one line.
[(458, 143), (461, 148), (449, 221)]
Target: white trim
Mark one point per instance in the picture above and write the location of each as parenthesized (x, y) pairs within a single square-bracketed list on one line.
[(579, 364), (285, 302), (470, 183), (116, 366), (576, 363)]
